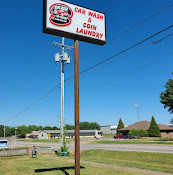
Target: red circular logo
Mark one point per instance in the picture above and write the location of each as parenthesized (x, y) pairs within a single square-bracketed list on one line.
[(61, 14)]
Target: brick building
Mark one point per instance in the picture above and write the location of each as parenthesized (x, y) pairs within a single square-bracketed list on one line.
[(165, 130)]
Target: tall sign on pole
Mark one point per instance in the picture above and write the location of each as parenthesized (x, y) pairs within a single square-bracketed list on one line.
[(68, 20)]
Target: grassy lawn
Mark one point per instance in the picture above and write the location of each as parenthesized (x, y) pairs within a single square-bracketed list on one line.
[(134, 141), (108, 135), (153, 161), (25, 165)]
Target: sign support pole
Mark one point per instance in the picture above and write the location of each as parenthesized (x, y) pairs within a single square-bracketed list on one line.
[(77, 127), (62, 97)]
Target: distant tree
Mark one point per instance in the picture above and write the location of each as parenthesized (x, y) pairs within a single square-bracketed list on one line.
[(120, 125), (40, 128), (47, 128), (8, 131), (153, 130), (167, 96), (88, 125), (84, 125), (143, 133), (22, 130), (55, 128), (69, 127), (94, 125), (1, 130), (32, 128), (134, 132)]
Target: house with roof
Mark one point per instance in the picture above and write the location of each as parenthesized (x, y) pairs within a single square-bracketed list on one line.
[(165, 130), (33, 135), (52, 134)]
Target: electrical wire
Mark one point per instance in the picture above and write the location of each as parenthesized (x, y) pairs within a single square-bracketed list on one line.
[(32, 104), (155, 42), (140, 23), (91, 2), (140, 67), (33, 67), (125, 50), (121, 8), (92, 68), (110, 5)]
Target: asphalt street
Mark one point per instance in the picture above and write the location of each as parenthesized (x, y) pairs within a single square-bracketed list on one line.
[(87, 146)]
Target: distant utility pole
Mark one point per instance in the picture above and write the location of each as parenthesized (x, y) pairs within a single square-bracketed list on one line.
[(15, 131), (137, 106), (4, 131), (64, 57)]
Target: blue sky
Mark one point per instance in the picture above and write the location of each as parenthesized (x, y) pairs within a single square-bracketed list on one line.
[(28, 71)]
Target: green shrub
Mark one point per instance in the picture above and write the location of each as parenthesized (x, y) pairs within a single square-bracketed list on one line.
[(64, 149), (134, 132), (143, 133)]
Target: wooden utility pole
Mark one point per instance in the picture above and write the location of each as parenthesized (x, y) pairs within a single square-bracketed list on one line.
[(77, 127)]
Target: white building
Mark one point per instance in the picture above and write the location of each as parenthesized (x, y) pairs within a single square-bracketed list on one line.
[(52, 134), (109, 129)]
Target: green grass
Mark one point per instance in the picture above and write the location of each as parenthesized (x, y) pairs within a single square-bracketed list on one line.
[(25, 165), (108, 135), (152, 161), (134, 141), (44, 147)]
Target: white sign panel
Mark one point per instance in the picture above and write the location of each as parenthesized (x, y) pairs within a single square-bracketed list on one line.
[(72, 21)]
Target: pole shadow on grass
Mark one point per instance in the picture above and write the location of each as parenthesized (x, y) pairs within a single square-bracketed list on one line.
[(63, 169)]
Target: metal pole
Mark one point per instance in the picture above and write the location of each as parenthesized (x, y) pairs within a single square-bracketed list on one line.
[(77, 127), (4, 131), (62, 97), (138, 113)]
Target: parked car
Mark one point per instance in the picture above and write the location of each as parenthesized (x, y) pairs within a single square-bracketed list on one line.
[(127, 137), (131, 137), (118, 136)]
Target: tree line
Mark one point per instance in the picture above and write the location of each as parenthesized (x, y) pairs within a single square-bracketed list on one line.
[(23, 130)]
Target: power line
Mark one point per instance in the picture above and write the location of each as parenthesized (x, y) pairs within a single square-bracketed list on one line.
[(121, 8), (91, 2), (140, 23), (33, 67), (125, 50), (140, 67), (93, 67), (155, 42), (121, 52), (110, 5), (32, 104)]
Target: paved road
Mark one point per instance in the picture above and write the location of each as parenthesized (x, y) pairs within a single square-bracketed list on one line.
[(119, 147)]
